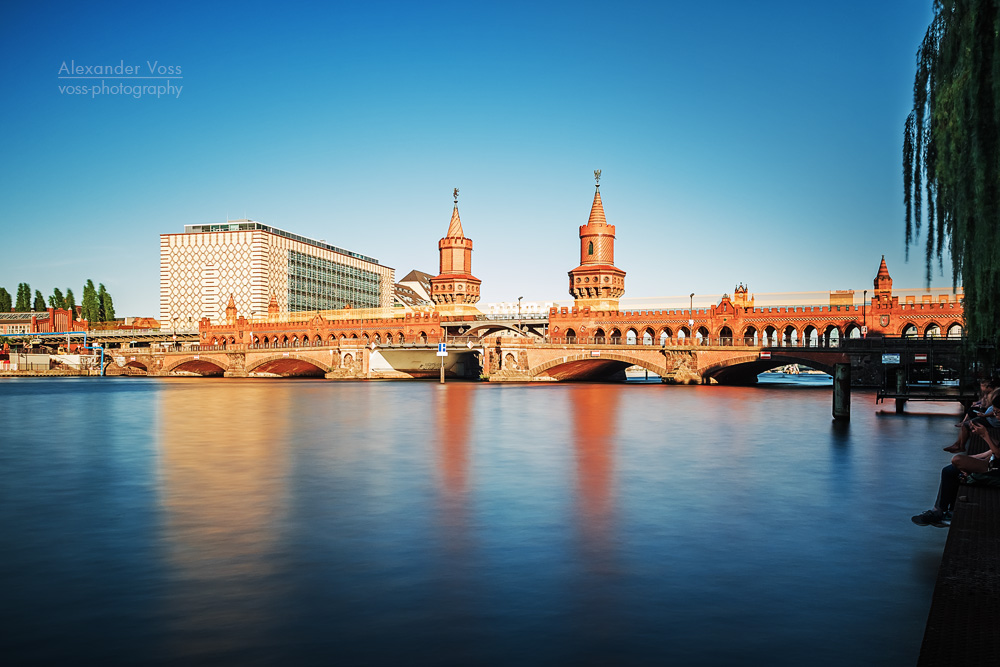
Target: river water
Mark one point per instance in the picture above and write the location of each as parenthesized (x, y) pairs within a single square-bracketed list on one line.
[(243, 522)]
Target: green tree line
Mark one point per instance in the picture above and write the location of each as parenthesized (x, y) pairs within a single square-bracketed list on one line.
[(951, 155), (97, 305)]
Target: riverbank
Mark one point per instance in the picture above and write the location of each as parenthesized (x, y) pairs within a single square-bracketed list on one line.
[(962, 624)]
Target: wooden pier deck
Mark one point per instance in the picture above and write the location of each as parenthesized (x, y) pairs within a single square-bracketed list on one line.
[(963, 627)]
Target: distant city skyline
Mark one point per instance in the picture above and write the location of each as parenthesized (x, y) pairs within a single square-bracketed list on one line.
[(738, 144)]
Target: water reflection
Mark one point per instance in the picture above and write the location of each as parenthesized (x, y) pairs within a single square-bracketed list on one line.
[(595, 415), (223, 472)]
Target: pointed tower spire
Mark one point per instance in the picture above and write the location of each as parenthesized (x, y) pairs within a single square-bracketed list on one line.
[(455, 289), (597, 283), (883, 270), (455, 226), (883, 284), (597, 208), (231, 310)]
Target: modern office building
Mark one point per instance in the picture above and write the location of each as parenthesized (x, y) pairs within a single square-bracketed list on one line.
[(202, 267)]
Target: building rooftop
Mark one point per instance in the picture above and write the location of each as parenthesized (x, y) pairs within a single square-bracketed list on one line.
[(253, 225)]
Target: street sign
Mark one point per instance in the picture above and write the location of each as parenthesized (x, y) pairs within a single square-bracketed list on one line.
[(442, 350), (864, 331), (890, 358), (920, 358), (765, 354)]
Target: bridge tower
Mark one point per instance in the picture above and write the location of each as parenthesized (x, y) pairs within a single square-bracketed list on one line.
[(883, 285), (455, 289), (597, 282)]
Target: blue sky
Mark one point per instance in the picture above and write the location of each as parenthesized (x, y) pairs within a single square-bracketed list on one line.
[(739, 142)]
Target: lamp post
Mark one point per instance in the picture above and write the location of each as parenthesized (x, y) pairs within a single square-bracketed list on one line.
[(864, 315), (519, 313)]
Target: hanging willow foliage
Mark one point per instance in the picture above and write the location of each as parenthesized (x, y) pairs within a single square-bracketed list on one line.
[(951, 155)]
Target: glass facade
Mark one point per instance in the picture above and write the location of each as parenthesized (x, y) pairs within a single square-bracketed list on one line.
[(319, 284)]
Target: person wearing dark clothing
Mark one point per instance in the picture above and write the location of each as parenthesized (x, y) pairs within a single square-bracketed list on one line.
[(940, 514)]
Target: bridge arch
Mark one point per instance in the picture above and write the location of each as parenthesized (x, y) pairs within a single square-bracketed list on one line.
[(203, 365), (291, 365), (744, 369), (588, 367)]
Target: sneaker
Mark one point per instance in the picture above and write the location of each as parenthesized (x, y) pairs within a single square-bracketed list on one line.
[(930, 518)]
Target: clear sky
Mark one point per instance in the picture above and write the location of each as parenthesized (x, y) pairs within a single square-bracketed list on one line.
[(754, 142)]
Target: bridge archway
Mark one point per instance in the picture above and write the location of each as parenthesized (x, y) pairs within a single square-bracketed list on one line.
[(831, 337), (609, 366), (725, 336), (933, 330), (292, 365), (207, 367), (955, 330), (743, 370), (770, 336), (810, 336)]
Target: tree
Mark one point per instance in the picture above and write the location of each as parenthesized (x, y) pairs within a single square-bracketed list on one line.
[(23, 304), (105, 305), (39, 303), (57, 300), (950, 149), (91, 307), (5, 301), (70, 302)]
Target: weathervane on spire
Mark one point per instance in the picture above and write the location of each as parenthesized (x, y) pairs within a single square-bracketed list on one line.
[(455, 194), (597, 177)]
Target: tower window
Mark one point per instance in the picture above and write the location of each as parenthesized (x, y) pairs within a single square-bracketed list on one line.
[(590, 248)]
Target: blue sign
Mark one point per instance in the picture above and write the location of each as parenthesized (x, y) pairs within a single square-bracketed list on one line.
[(442, 350)]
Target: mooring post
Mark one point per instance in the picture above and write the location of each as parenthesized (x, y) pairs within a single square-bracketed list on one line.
[(842, 391), (900, 389)]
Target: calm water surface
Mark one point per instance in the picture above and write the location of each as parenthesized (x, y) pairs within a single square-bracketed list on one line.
[(252, 522)]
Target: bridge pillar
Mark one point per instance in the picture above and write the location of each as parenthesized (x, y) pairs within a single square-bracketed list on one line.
[(842, 391)]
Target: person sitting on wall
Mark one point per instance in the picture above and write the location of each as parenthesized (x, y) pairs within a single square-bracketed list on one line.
[(990, 417), (940, 514), (986, 387)]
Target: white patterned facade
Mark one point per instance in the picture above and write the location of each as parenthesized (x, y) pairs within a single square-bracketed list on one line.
[(202, 267)]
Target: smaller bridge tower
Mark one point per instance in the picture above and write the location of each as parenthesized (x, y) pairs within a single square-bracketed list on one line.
[(883, 285), (454, 290), (597, 282)]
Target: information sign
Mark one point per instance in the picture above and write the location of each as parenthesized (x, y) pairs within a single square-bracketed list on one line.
[(890, 358), (442, 350)]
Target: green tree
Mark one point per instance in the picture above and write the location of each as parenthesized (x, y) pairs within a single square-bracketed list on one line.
[(39, 303), (106, 306), (57, 300), (91, 307), (23, 304), (951, 145), (6, 304), (70, 302)]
